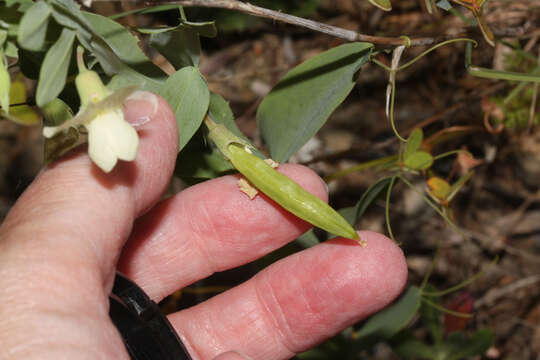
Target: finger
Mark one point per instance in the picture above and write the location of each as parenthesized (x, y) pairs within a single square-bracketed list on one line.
[(297, 302), (210, 227), (77, 217), (231, 355)]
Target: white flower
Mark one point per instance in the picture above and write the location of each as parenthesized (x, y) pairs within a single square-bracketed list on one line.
[(110, 136)]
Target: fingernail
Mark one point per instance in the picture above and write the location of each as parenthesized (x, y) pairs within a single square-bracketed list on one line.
[(145, 104), (232, 355)]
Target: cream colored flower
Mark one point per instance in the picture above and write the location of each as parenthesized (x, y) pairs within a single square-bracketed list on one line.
[(110, 136)]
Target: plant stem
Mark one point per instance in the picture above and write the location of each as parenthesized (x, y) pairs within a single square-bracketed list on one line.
[(445, 310), (464, 283), (360, 167), (387, 209), (258, 11)]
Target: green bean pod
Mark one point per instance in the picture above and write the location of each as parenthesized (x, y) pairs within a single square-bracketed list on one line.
[(287, 193)]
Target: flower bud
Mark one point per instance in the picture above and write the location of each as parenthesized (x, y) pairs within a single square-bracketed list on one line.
[(90, 87)]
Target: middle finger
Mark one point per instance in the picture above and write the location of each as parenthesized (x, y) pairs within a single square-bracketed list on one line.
[(210, 227)]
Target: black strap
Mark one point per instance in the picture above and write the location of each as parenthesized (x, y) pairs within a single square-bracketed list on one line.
[(146, 332)]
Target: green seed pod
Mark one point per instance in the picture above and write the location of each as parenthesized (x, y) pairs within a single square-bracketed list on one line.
[(288, 194)]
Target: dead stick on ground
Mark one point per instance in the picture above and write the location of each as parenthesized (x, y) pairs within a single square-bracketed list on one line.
[(258, 11)]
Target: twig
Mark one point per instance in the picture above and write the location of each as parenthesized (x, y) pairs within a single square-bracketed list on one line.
[(338, 32), (492, 296)]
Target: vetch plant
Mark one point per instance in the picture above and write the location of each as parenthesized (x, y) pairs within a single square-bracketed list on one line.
[(296, 108)]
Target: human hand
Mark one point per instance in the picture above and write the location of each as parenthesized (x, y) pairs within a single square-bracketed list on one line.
[(65, 237)]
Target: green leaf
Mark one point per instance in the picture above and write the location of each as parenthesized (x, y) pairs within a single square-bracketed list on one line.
[(180, 46), (33, 27), (303, 100), (187, 93), (438, 187), (53, 72), (125, 46), (56, 112), (68, 14), (369, 196), (3, 38), (431, 317), (220, 112), (420, 160), (407, 347), (198, 161), (382, 4), (307, 239), (389, 321), (413, 142), (12, 50), (24, 5), (459, 346), (19, 112), (10, 18), (95, 38)]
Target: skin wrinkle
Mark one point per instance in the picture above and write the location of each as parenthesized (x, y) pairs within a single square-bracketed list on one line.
[(276, 321), (209, 230), (205, 327), (37, 338), (250, 316)]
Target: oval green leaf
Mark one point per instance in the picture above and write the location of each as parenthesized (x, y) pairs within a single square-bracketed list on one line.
[(53, 72), (413, 142), (180, 46), (420, 160), (124, 45), (33, 26), (303, 100), (187, 93), (220, 111)]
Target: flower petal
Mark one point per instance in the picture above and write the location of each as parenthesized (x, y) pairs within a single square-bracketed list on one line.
[(123, 138), (99, 147)]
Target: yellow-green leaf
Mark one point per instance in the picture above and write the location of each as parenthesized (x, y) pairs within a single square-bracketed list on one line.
[(19, 112), (382, 4), (438, 187), (413, 142), (5, 83), (420, 160)]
